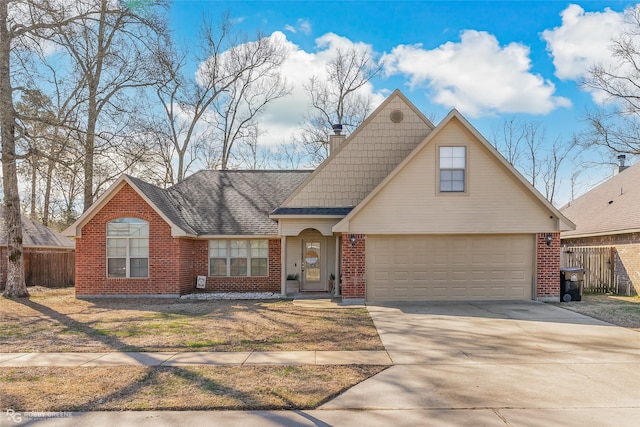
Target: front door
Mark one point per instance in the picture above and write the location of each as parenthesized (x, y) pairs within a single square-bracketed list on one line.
[(311, 264)]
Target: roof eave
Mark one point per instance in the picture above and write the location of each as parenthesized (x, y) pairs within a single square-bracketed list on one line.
[(600, 233)]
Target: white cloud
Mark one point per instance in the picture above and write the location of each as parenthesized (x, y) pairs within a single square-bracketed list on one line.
[(302, 25), (582, 40), (476, 75), (282, 119)]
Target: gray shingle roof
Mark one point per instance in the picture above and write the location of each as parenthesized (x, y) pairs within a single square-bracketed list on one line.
[(35, 234), (212, 202), (611, 207)]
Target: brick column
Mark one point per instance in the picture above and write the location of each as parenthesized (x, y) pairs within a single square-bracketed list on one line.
[(353, 268), (548, 267)]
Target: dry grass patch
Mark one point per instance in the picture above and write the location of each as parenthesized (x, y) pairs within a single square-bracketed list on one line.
[(54, 320), (171, 388), (618, 310)]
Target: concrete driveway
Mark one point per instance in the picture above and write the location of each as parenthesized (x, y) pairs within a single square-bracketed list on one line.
[(516, 364)]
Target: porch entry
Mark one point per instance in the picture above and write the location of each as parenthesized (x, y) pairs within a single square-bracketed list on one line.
[(312, 263)]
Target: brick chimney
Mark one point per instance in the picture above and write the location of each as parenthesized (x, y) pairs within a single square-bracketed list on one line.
[(336, 139)]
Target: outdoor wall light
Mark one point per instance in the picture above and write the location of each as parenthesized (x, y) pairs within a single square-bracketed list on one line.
[(549, 239), (353, 240)]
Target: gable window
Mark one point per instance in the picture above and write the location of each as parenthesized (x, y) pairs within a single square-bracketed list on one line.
[(238, 257), (452, 169), (127, 248)]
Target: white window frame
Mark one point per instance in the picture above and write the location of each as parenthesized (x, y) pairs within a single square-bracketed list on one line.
[(127, 245), (228, 257), (451, 164)]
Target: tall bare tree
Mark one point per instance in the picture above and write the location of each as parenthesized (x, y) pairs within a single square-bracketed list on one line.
[(110, 55), (616, 126), (27, 22), (206, 115), (337, 98)]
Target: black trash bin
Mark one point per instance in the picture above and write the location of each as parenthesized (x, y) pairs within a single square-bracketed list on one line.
[(571, 280)]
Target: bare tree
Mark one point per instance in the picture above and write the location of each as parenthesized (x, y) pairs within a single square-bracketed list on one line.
[(508, 140), (523, 145), (616, 126), (28, 22), (337, 99), (110, 55), (207, 115)]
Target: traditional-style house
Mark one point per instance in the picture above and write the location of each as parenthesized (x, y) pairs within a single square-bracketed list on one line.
[(400, 210)]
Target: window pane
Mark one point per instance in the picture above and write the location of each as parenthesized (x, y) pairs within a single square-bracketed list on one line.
[(116, 229), (116, 247), (116, 267), (258, 266), (139, 230), (218, 267), (238, 267), (446, 152), (458, 152), (218, 248), (238, 249), (139, 267), (138, 248), (445, 185), (259, 248)]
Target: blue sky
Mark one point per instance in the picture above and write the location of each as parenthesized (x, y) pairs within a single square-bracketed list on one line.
[(490, 60)]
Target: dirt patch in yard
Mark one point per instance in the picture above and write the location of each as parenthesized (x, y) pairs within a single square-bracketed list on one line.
[(618, 310), (53, 320), (170, 388)]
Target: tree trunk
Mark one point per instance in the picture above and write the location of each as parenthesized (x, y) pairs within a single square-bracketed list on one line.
[(15, 286)]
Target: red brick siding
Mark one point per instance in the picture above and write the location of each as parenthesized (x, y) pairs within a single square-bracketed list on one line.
[(353, 267), (548, 266), (170, 272), (627, 259), (270, 283)]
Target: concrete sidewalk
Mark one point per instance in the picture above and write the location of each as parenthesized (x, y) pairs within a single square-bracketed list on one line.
[(247, 358)]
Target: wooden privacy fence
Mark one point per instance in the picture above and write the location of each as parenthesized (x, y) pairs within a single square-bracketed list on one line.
[(598, 263), (53, 269)]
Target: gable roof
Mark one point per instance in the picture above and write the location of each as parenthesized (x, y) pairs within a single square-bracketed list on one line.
[(563, 223), (364, 158), (612, 207), (36, 235), (211, 202)]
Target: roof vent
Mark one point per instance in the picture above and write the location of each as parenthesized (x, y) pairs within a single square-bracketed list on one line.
[(396, 116)]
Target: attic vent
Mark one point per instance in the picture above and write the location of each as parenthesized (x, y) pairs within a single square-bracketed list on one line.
[(396, 116)]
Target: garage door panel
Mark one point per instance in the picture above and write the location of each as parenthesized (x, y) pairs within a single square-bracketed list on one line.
[(449, 267)]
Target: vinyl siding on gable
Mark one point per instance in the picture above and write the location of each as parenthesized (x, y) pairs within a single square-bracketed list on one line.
[(494, 200)]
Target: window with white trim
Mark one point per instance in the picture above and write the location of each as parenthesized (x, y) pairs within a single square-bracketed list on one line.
[(453, 169), (238, 257), (128, 248)]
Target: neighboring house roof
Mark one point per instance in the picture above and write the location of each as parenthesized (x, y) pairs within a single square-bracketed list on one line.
[(36, 235), (211, 202), (612, 207)]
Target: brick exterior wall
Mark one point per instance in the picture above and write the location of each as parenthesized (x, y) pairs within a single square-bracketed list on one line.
[(170, 271), (270, 283), (353, 267), (174, 263), (547, 266), (627, 258)]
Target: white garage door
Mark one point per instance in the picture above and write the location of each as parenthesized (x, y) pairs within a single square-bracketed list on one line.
[(408, 268)]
